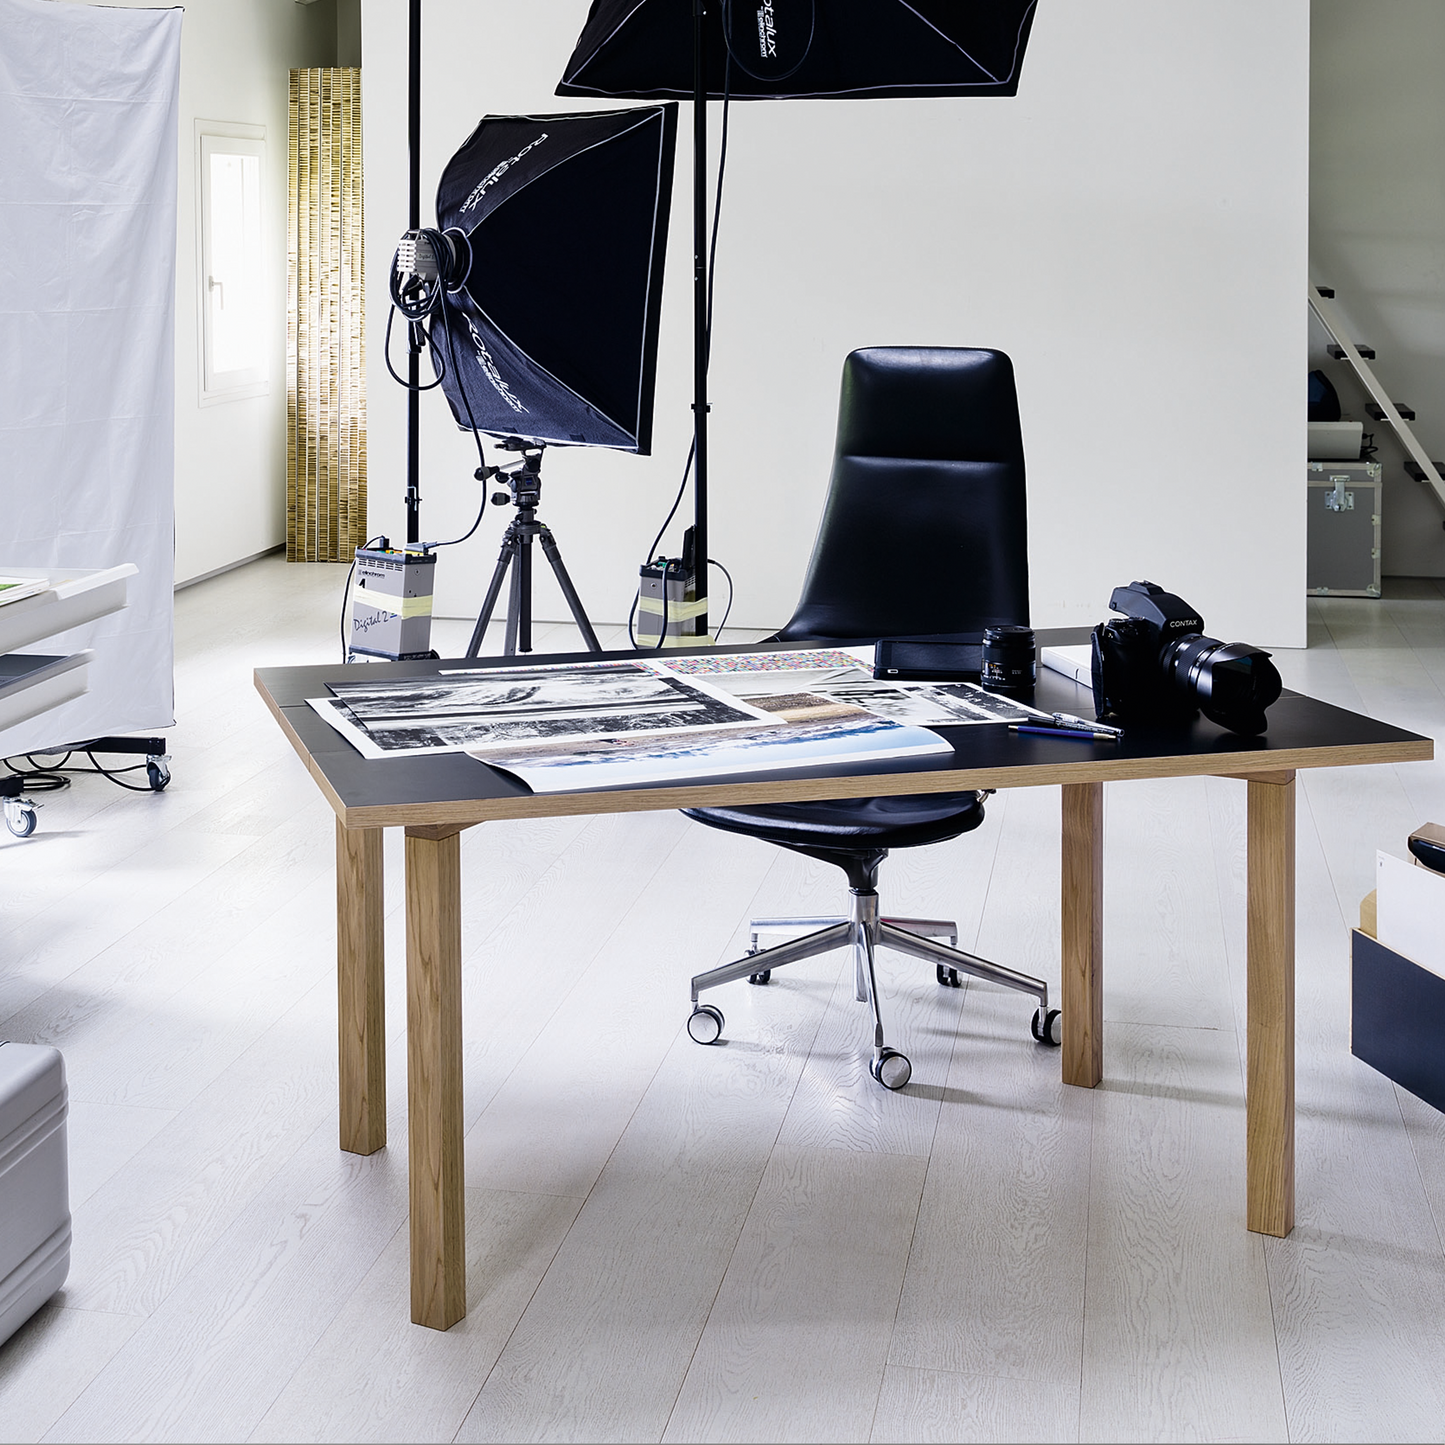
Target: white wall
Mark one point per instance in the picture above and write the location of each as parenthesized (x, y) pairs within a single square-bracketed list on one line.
[(1377, 233), (1131, 229)]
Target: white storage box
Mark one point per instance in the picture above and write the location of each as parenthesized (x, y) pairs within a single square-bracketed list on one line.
[(34, 1181)]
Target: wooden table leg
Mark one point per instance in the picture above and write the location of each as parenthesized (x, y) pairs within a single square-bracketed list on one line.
[(360, 990), (434, 1076), (1083, 934), (1269, 1090)]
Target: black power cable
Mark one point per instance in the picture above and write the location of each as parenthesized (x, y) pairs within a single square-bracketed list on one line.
[(49, 777), (415, 302), (722, 162)]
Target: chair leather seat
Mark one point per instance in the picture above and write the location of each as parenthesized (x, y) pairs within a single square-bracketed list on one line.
[(853, 825)]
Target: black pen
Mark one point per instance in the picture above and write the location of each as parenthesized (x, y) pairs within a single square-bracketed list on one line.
[(1079, 733)]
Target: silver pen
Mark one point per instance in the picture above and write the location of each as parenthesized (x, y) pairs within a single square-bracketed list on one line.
[(1068, 720)]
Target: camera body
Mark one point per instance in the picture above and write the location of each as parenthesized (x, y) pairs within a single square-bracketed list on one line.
[(1155, 664)]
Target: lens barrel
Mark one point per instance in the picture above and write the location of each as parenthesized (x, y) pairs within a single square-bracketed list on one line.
[(1008, 662), (1231, 683)]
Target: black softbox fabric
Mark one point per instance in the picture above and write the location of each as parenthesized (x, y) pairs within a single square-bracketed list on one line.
[(553, 336), (801, 49)]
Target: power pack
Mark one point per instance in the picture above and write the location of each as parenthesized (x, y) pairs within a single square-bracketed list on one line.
[(391, 603), (669, 611)]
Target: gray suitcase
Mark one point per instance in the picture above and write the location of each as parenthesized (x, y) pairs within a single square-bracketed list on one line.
[(1343, 529), (34, 1182)]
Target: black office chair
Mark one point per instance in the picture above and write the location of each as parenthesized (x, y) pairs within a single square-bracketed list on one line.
[(924, 532)]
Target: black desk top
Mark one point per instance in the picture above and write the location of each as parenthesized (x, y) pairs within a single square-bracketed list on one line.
[(451, 788)]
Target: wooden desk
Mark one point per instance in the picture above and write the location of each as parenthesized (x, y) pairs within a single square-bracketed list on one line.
[(435, 798)]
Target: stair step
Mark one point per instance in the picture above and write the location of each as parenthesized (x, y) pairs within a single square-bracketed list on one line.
[(1377, 413), (1416, 472), (1338, 352)]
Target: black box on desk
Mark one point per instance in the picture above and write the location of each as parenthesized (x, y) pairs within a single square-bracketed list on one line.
[(1397, 1018)]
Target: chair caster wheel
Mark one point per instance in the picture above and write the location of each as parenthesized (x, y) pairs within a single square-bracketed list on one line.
[(157, 774), (891, 1069), (706, 1024), (20, 817), (1046, 1027), (760, 978), (948, 977)]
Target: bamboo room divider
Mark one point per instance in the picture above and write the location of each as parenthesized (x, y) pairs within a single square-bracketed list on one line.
[(325, 336)]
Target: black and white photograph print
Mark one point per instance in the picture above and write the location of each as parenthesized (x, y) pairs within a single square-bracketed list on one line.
[(981, 705), (843, 678), (636, 762), (474, 709)]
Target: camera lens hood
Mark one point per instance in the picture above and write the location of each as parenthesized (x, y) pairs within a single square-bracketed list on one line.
[(1231, 682)]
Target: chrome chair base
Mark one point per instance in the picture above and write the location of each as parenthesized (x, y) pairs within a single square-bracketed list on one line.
[(864, 931)]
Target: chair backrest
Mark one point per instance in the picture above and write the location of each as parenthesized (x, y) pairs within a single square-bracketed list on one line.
[(925, 530)]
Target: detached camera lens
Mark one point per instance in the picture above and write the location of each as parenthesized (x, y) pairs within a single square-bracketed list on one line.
[(1008, 662)]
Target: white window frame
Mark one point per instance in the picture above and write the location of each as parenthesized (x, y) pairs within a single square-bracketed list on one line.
[(226, 138)]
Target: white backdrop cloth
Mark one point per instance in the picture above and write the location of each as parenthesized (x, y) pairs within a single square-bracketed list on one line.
[(88, 106)]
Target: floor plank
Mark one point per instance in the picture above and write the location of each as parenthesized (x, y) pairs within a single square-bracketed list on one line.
[(1177, 1322), (995, 1281), (795, 1344), (602, 1350), (375, 1376), (51, 1359), (938, 1405)]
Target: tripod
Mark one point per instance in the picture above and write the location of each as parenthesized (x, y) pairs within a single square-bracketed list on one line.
[(524, 491)]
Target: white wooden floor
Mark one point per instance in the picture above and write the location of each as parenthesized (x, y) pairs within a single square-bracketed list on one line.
[(748, 1242)]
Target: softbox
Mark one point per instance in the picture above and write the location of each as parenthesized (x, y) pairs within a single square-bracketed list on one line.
[(550, 326), (801, 49)]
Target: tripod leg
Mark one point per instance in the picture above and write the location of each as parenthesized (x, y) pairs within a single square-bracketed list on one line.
[(554, 556), (523, 595), (494, 591), (510, 645)]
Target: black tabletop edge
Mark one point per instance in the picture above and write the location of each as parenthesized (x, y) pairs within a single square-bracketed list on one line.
[(1299, 727)]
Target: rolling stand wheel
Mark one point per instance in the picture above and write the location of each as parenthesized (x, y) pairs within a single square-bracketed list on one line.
[(20, 816), (763, 975), (705, 1026), (158, 773), (948, 977), (1046, 1027), (891, 1069)]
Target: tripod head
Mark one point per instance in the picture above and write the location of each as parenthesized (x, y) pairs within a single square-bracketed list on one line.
[(524, 476)]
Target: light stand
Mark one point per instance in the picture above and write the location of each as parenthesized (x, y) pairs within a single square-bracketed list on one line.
[(413, 360), (524, 491), (699, 308)]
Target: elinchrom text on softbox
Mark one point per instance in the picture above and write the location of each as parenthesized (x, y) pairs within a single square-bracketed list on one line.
[(550, 330), (801, 49)]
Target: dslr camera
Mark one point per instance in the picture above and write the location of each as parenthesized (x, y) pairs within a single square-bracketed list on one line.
[(1154, 664)]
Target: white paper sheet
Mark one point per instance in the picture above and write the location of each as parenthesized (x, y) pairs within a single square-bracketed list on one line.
[(1410, 911), (620, 763), (470, 709)]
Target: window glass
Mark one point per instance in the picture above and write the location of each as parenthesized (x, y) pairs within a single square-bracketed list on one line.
[(234, 331)]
